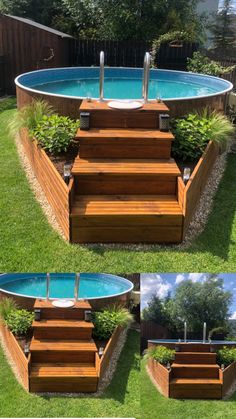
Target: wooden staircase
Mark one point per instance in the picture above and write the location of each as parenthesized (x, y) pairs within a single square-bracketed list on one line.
[(63, 354), (126, 184), (195, 375)]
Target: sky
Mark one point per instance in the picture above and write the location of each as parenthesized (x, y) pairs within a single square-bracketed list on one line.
[(221, 2), (161, 284)]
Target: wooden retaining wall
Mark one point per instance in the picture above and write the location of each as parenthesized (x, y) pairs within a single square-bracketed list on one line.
[(106, 357), (227, 377), (161, 376), (190, 194), (17, 354), (58, 194)]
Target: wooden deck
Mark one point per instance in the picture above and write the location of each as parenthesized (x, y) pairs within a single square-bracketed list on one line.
[(126, 184), (63, 353)]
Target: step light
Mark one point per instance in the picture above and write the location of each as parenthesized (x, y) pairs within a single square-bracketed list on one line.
[(164, 122), (88, 315), (26, 349), (84, 121), (101, 351), (37, 314), (67, 172), (186, 174)]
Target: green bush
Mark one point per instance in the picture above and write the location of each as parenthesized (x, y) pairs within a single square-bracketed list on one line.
[(218, 331), (6, 306), (29, 116), (54, 133), (161, 354), (193, 133), (202, 64), (19, 321), (108, 319), (226, 356)]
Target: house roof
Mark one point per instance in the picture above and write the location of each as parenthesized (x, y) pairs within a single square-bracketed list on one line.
[(39, 26)]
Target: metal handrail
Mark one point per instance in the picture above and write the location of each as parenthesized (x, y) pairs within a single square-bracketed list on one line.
[(146, 71), (47, 286), (77, 281), (101, 81)]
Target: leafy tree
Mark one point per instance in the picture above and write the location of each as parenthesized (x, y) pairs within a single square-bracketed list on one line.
[(156, 311), (224, 36), (201, 302)]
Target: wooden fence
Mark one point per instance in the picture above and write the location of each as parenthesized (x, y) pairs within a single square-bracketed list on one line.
[(129, 53)]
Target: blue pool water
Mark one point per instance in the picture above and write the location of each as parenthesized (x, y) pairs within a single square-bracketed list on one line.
[(92, 285), (122, 83)]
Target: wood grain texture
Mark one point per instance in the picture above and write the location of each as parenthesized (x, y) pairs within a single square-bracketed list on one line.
[(161, 375), (110, 347), (21, 363), (228, 377), (55, 189), (197, 388), (197, 182), (195, 370)]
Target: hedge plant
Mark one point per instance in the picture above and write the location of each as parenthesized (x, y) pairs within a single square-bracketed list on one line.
[(193, 132), (226, 356), (161, 354), (55, 133), (201, 64), (19, 321), (108, 319), (6, 306)]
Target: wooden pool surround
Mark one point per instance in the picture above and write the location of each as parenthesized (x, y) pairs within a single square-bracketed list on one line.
[(125, 188)]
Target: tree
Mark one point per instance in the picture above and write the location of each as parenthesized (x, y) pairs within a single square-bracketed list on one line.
[(201, 302), (224, 35), (156, 311)]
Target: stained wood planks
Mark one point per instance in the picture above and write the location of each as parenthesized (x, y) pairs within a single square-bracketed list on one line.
[(161, 376), (110, 347), (17, 354), (55, 189)]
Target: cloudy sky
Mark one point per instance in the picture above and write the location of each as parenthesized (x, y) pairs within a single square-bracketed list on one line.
[(221, 2), (161, 284)]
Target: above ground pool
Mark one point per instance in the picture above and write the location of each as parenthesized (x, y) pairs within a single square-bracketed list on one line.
[(191, 341), (91, 285), (121, 83)]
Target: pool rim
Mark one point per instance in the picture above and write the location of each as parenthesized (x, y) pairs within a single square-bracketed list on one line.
[(21, 86), (71, 298)]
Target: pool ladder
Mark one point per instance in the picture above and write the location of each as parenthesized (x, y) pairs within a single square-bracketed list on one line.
[(76, 288), (146, 74)]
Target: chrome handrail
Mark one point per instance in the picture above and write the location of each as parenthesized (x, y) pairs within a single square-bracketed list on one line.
[(146, 71), (101, 81), (77, 281), (47, 286)]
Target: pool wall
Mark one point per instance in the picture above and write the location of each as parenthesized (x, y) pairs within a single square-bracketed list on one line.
[(190, 346), (27, 302), (69, 106)]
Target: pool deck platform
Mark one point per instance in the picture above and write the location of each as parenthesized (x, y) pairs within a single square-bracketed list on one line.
[(125, 182)]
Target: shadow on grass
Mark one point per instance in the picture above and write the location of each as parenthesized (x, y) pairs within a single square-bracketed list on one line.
[(128, 361)]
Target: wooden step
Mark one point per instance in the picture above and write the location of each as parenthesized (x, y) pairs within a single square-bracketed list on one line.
[(101, 116), (125, 176), (129, 143), (194, 347), (48, 311), (62, 329), (195, 358), (197, 388), (195, 370), (47, 350), (63, 377), (126, 219)]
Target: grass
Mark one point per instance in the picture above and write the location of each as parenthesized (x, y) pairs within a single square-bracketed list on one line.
[(29, 244), (155, 406), (120, 399)]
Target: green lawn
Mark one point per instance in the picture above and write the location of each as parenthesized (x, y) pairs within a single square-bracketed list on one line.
[(28, 243), (121, 398), (155, 406)]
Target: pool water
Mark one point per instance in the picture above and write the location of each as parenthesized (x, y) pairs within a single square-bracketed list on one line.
[(62, 285), (123, 88)]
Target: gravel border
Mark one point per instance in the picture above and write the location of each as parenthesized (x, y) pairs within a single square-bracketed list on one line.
[(196, 226), (103, 383)]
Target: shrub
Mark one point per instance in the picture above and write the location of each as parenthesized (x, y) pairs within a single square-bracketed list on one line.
[(107, 320), (19, 321), (54, 133), (226, 356), (218, 331), (6, 306), (29, 116), (161, 354), (202, 64), (193, 133)]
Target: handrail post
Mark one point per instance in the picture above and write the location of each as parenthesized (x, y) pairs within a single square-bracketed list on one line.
[(77, 280), (47, 286), (146, 71), (101, 81)]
